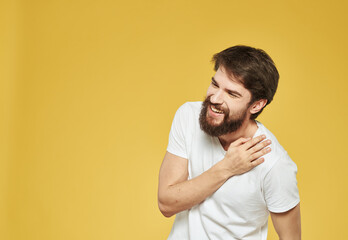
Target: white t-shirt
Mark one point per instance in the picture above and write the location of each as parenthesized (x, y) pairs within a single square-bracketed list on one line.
[(239, 209)]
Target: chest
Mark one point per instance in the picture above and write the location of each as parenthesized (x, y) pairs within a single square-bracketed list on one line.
[(242, 191)]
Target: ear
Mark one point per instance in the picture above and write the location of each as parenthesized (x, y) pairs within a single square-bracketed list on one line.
[(257, 106)]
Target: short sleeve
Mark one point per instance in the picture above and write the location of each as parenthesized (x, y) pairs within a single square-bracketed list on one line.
[(176, 144), (280, 186)]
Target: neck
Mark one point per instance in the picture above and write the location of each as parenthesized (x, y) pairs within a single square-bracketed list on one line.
[(247, 130)]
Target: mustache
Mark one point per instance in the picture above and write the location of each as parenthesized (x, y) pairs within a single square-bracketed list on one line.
[(219, 107)]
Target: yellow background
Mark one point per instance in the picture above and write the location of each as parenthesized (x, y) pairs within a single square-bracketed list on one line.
[(89, 90)]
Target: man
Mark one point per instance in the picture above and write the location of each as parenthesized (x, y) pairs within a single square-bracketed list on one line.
[(224, 172)]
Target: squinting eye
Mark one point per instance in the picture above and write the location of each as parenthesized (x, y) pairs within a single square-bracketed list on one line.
[(214, 84)]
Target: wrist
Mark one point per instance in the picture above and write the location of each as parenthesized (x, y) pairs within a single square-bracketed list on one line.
[(223, 170)]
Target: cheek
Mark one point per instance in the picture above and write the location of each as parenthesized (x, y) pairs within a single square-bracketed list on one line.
[(236, 110), (210, 91)]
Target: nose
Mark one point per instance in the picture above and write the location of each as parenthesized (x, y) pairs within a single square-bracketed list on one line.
[(216, 98)]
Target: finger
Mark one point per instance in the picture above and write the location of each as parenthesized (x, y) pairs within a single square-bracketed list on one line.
[(257, 162), (260, 153), (253, 141), (239, 141), (259, 146), (244, 140)]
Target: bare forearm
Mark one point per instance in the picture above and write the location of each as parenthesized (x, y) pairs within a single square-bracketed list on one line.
[(176, 193), (186, 194)]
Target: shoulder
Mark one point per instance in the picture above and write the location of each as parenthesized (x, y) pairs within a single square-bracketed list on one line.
[(278, 155), (184, 127), (187, 114), (191, 107), (188, 111)]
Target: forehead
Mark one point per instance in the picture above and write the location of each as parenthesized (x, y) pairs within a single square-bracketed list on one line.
[(230, 82)]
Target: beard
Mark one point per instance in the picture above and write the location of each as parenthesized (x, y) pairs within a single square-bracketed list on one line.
[(228, 125)]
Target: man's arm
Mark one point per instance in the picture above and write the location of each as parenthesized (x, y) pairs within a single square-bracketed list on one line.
[(288, 224), (176, 193)]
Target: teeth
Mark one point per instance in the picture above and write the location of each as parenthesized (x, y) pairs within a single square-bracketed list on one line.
[(216, 110)]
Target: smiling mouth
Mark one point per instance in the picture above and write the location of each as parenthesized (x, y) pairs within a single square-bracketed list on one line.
[(215, 110)]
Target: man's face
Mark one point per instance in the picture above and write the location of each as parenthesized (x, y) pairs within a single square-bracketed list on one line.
[(226, 106)]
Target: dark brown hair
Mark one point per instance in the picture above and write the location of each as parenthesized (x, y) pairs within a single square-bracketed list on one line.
[(254, 68)]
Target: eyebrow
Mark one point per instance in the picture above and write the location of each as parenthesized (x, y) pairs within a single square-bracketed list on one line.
[(228, 90)]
